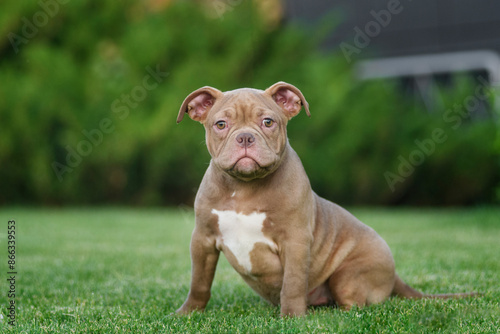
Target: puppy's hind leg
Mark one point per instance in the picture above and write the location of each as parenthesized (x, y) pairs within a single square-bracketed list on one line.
[(358, 285)]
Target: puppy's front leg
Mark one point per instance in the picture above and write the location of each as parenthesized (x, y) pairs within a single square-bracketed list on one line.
[(204, 257), (295, 259)]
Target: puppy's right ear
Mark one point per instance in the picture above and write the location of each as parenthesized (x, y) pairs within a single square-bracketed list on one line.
[(198, 103), (289, 98)]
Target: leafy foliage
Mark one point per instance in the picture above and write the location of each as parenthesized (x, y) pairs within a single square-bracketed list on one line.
[(90, 97)]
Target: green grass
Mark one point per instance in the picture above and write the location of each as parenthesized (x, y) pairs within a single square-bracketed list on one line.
[(115, 270)]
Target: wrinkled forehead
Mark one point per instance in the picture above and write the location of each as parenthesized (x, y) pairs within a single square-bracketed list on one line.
[(243, 102), (247, 101), (247, 98)]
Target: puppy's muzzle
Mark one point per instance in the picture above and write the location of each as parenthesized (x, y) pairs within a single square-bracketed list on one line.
[(245, 140)]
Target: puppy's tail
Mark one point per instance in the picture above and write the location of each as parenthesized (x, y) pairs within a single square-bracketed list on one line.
[(403, 290)]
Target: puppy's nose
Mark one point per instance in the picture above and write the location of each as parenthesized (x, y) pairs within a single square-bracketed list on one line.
[(245, 139)]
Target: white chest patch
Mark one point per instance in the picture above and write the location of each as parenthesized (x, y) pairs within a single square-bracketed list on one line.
[(241, 232)]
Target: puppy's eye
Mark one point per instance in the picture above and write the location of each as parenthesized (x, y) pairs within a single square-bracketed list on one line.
[(268, 122), (220, 125)]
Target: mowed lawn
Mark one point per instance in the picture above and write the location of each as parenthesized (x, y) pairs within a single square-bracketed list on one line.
[(126, 270)]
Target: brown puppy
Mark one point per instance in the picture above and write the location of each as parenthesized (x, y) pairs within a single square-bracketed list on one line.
[(255, 204)]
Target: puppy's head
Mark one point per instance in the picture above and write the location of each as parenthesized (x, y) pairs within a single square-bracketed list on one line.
[(245, 128)]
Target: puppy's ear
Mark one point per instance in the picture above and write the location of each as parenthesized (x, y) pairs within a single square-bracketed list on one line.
[(198, 103), (289, 98)]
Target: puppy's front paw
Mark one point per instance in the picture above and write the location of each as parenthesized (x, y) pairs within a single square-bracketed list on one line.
[(291, 311), (189, 307), (182, 311)]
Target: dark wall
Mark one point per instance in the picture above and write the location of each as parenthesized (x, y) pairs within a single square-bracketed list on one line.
[(412, 27)]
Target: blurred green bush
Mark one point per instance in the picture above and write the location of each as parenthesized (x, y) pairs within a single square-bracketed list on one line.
[(90, 95)]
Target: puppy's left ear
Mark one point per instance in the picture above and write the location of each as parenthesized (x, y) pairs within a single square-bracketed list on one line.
[(198, 103), (289, 98)]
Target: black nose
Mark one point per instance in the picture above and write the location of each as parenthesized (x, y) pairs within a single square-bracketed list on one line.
[(245, 139)]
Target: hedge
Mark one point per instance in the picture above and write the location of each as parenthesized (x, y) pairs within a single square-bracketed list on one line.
[(90, 93)]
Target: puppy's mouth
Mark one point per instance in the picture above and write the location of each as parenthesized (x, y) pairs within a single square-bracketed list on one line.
[(246, 165), (247, 168)]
